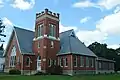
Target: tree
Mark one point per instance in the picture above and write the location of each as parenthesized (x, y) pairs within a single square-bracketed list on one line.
[(101, 50), (2, 27)]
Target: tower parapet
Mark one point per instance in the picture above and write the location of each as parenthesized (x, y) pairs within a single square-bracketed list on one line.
[(47, 12)]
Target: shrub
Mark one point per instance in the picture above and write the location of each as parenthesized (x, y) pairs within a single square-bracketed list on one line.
[(40, 73), (14, 71), (55, 70)]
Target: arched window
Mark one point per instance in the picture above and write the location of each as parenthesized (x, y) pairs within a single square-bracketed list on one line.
[(52, 44), (27, 61), (39, 58), (13, 57)]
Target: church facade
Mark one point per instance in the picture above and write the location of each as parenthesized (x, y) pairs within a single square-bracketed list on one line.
[(32, 51)]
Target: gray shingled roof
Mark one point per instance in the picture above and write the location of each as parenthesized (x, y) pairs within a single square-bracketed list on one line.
[(25, 39), (71, 44)]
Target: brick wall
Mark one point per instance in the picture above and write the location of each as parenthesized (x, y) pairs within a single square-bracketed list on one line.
[(13, 41)]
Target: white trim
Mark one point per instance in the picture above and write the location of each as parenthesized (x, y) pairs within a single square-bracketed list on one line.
[(76, 61), (66, 62), (17, 41), (51, 37), (58, 38), (99, 65), (45, 35), (40, 37), (87, 61), (29, 62), (9, 41), (92, 62), (52, 44), (44, 16), (81, 60), (44, 47), (61, 59), (38, 44)]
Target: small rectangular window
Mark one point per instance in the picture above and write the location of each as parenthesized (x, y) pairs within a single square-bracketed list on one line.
[(38, 44), (81, 61), (49, 62), (53, 62), (28, 61), (40, 30), (92, 62), (66, 62), (100, 65), (61, 62), (87, 62), (75, 61), (52, 30), (52, 44)]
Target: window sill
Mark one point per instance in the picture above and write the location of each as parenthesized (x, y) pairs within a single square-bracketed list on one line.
[(61, 66), (27, 66), (66, 66)]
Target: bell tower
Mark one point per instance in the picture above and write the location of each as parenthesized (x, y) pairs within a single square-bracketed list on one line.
[(46, 43)]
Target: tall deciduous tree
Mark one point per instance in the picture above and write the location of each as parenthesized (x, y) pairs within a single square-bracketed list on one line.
[(101, 50), (2, 27)]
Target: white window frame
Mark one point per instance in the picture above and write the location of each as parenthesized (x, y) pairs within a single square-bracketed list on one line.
[(52, 44), (100, 65), (38, 44), (81, 61), (53, 28), (49, 62), (29, 62), (75, 61), (92, 62), (61, 61), (40, 28), (87, 61), (13, 57), (66, 62)]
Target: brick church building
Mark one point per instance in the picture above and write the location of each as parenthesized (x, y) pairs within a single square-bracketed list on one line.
[(32, 51)]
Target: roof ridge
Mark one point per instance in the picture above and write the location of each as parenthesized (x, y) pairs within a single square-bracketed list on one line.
[(67, 31), (23, 29)]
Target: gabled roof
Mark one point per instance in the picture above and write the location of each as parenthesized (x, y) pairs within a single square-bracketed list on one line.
[(25, 39), (68, 41), (70, 44)]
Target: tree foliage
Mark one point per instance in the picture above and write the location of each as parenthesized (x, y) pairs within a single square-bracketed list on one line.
[(2, 27), (101, 50)]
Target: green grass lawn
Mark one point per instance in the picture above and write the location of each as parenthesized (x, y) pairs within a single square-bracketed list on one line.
[(60, 77)]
